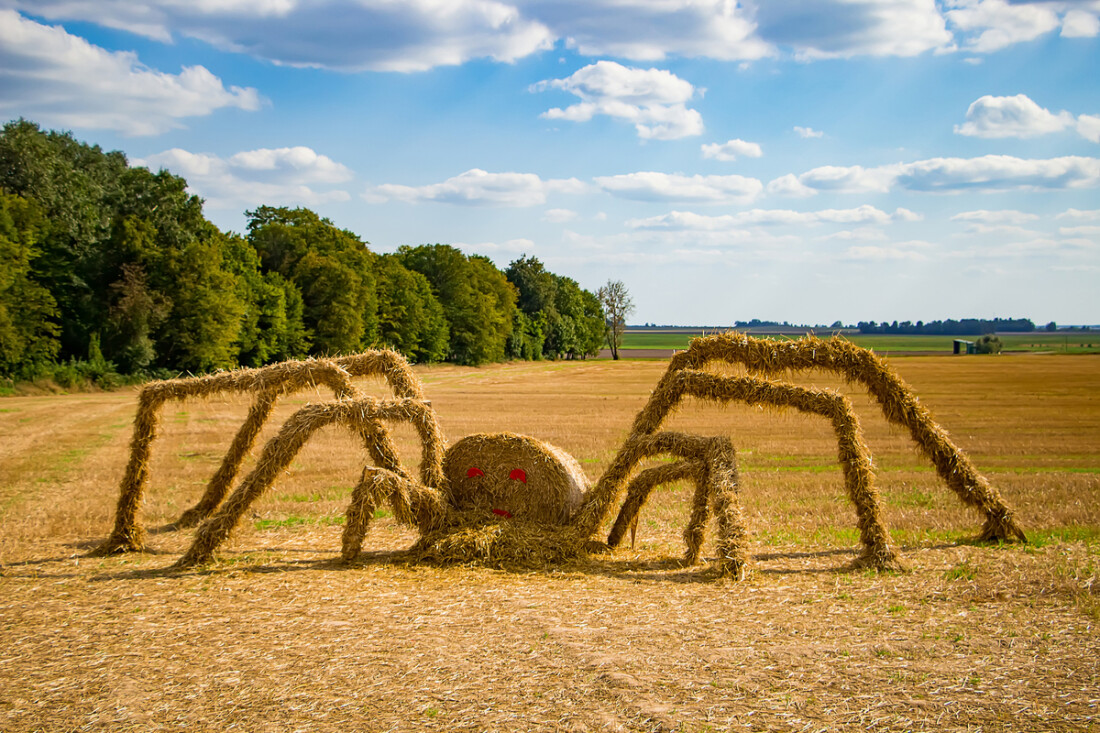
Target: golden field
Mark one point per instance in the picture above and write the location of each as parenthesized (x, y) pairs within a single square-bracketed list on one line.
[(279, 636)]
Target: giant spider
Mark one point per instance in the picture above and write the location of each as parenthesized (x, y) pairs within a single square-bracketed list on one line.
[(508, 499)]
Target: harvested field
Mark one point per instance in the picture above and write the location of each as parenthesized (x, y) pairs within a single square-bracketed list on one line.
[(277, 635)]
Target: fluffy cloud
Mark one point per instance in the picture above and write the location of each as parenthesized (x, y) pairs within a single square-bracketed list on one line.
[(843, 28), (1093, 215), (651, 186), (62, 80), (986, 173), (383, 35), (653, 99), (807, 132), (729, 150), (1007, 216), (478, 188), (997, 23), (1088, 127), (1018, 116), (689, 221), (283, 176), (651, 30)]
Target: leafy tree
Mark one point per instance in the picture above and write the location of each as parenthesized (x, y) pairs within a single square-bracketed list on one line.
[(477, 299), (410, 317), (332, 269), (28, 331), (617, 305)]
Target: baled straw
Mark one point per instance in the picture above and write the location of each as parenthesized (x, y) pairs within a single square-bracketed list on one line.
[(268, 383), (552, 486), (363, 417)]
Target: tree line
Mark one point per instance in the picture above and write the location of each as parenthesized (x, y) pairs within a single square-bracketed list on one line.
[(106, 264), (950, 327)]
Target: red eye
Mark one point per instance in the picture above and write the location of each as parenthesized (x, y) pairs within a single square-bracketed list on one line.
[(518, 474), (474, 472)]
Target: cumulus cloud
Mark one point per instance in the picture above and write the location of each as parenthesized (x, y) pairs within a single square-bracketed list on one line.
[(283, 176), (842, 28), (690, 221), (62, 80), (807, 132), (559, 216), (1081, 24), (1093, 215), (1004, 216), (995, 24), (414, 35), (644, 30), (652, 186), (478, 188), (653, 99), (729, 150), (1018, 116), (986, 173), (1088, 127), (348, 35)]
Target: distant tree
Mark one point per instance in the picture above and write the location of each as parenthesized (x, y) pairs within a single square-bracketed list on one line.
[(988, 344), (1052, 326), (617, 306), (28, 330), (410, 317)]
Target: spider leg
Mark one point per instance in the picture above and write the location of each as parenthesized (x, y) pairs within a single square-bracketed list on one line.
[(412, 503), (364, 418), (711, 464)]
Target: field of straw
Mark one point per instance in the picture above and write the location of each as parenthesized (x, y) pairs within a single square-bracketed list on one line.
[(278, 635)]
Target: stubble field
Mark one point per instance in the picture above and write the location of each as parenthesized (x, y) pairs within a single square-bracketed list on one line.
[(277, 635)]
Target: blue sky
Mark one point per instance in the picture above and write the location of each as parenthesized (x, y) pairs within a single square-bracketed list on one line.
[(810, 162)]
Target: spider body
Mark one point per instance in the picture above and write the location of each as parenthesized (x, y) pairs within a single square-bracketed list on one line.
[(506, 499)]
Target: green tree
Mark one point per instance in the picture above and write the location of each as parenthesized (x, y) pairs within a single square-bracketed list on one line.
[(28, 329), (410, 317), (617, 305), (332, 269)]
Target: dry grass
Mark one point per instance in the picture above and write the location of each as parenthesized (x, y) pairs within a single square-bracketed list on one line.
[(279, 636)]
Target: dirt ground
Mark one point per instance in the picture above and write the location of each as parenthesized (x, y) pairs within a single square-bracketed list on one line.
[(277, 635)]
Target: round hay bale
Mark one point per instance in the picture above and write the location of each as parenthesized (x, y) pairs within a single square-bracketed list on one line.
[(514, 476)]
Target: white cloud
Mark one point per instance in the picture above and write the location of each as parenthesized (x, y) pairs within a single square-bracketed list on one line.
[(652, 30), (1088, 127), (807, 132), (846, 28), (653, 99), (689, 221), (559, 216), (986, 173), (1093, 215), (478, 188), (997, 23), (1080, 24), (1018, 116), (887, 253), (511, 247), (276, 177), (729, 150), (651, 186), (349, 35), (1081, 231), (62, 80), (1005, 216)]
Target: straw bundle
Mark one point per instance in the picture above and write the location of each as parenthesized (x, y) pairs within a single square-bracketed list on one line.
[(478, 537), (526, 478), (899, 405), (363, 417), (268, 383)]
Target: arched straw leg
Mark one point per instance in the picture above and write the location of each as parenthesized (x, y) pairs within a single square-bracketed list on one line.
[(363, 417), (711, 465), (852, 453), (243, 441), (410, 501)]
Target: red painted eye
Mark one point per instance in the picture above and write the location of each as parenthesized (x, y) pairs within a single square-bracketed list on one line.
[(518, 474), (474, 472)]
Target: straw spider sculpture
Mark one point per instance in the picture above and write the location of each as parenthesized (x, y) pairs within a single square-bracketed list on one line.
[(506, 499)]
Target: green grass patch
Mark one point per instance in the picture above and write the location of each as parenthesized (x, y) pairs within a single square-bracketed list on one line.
[(296, 521)]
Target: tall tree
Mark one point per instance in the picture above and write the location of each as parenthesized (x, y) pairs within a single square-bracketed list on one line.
[(28, 331), (617, 305)]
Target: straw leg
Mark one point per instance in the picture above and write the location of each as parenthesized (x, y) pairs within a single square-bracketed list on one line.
[(231, 464), (407, 498), (128, 533)]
